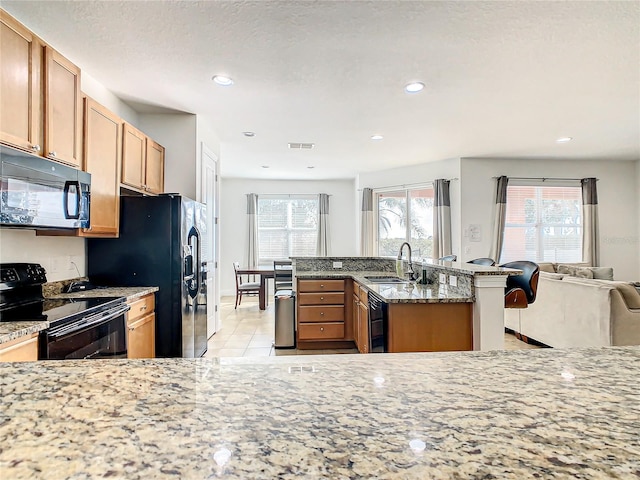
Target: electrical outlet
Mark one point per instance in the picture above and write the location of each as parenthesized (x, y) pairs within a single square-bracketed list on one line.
[(337, 264), (453, 280), (55, 264), (442, 278)]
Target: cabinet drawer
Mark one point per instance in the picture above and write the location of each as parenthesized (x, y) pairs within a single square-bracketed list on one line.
[(321, 331), (141, 307), (24, 349), (321, 286), (321, 314), (329, 298)]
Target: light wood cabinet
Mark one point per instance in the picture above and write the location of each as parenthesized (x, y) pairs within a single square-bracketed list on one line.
[(102, 159), (63, 110), (430, 327), (39, 113), (23, 349), (20, 85), (322, 315), (142, 162), (141, 328)]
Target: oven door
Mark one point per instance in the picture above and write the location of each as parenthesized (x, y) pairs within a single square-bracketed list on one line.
[(102, 335)]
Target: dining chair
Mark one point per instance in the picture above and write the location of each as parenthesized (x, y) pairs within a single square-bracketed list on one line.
[(282, 275), (244, 288)]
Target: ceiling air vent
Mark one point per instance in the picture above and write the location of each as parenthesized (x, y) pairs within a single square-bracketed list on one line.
[(301, 146)]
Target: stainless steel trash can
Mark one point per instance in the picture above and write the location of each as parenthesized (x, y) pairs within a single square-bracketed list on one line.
[(285, 319)]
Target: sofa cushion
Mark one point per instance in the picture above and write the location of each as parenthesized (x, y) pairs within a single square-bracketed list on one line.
[(554, 276), (547, 267), (581, 272), (602, 273), (629, 294)]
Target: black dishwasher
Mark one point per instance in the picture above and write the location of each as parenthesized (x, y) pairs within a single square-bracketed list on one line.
[(378, 324)]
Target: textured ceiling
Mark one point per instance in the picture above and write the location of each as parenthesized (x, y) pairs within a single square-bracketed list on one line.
[(503, 79)]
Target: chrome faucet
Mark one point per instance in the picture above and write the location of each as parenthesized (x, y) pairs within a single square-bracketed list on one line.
[(410, 273)]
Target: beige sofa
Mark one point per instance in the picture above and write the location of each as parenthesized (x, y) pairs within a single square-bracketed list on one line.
[(579, 312)]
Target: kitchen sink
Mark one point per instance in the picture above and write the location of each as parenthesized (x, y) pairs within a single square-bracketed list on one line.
[(386, 280)]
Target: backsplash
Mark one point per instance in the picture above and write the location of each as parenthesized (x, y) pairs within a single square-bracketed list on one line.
[(310, 264)]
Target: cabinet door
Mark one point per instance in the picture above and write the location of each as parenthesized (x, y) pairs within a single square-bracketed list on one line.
[(133, 156), (363, 317), (154, 179), (102, 158), (356, 322), (63, 110), (142, 337), (20, 80)]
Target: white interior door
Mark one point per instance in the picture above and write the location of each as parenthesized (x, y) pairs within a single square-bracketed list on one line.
[(210, 198)]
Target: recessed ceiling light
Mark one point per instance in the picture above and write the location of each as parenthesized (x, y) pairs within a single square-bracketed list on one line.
[(249, 134), (564, 139), (310, 167), (376, 137), (413, 87), (265, 166), (223, 80)]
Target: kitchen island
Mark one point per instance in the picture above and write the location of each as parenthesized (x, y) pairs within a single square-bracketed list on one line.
[(501, 414)]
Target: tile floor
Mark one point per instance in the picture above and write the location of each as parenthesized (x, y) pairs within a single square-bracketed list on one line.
[(248, 332)]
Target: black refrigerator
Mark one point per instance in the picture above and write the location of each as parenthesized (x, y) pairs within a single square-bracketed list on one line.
[(161, 244)]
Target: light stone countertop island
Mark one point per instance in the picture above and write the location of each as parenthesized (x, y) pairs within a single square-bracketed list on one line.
[(500, 414)]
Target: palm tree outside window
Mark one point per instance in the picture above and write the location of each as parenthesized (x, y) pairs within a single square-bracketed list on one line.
[(405, 216)]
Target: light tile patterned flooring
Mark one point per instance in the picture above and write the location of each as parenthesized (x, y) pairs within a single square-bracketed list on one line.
[(249, 332)]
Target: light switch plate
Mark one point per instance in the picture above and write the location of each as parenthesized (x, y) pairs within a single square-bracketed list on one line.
[(442, 278), (337, 264), (453, 280)]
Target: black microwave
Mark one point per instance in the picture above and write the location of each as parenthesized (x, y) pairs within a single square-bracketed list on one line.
[(39, 193)]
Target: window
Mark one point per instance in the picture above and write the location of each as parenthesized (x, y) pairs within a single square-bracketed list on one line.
[(543, 224), (287, 226), (405, 216)]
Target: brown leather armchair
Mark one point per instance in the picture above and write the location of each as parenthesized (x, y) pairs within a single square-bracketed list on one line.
[(521, 289)]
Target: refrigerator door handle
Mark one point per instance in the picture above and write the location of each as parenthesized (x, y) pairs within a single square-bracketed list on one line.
[(193, 282)]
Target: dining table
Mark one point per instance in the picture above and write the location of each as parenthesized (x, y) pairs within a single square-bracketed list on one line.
[(265, 272)]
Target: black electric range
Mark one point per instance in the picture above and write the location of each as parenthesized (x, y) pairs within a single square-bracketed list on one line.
[(78, 328)]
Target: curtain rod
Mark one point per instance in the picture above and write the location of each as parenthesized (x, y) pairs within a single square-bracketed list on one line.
[(289, 194), (405, 185), (544, 179)]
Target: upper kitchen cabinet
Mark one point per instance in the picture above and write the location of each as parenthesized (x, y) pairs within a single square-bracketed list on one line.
[(63, 110), (142, 162), (39, 113), (154, 171), (20, 86), (102, 154)]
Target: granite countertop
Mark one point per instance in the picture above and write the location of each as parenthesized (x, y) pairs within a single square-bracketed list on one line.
[(397, 292), (545, 413), (130, 293), (12, 330)]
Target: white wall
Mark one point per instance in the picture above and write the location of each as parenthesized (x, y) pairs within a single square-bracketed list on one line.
[(176, 132), (55, 254), (233, 223), (617, 201), (638, 212), (106, 98), (423, 173)]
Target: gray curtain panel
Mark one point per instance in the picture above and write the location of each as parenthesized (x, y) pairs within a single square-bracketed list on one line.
[(323, 248), (441, 218), (499, 219), (366, 224), (252, 230), (590, 240)]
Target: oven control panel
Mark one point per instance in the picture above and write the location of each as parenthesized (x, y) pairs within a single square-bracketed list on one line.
[(22, 274)]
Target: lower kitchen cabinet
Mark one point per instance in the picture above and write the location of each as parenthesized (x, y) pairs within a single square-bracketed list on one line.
[(141, 328), (360, 318), (23, 349), (323, 316)]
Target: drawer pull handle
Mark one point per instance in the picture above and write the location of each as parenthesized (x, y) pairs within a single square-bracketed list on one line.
[(321, 314), (321, 286), (321, 298), (322, 329), (52, 154)]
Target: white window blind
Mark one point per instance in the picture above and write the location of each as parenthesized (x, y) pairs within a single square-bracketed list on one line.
[(405, 216), (543, 224), (287, 226)]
